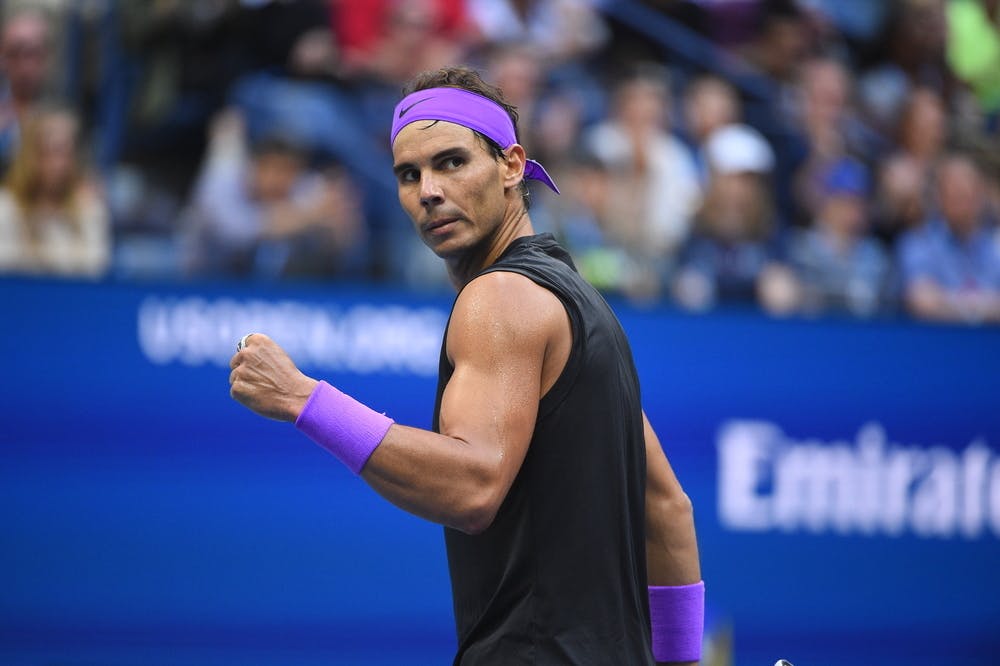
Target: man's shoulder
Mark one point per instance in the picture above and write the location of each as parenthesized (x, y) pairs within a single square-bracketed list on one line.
[(503, 293), (503, 309), (540, 257)]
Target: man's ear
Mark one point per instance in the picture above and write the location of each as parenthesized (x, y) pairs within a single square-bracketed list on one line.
[(515, 161)]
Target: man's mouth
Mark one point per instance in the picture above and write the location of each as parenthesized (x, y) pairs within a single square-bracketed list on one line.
[(438, 223)]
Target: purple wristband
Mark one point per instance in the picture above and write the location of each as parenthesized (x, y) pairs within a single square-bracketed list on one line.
[(677, 616), (342, 425)]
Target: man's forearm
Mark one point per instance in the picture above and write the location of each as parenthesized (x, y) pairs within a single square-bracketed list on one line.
[(676, 593), (671, 546), (442, 479)]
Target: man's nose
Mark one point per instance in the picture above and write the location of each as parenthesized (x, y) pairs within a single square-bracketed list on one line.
[(430, 191)]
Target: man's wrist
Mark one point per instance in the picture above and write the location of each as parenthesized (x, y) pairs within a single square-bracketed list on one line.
[(348, 429), (677, 618), (297, 401)]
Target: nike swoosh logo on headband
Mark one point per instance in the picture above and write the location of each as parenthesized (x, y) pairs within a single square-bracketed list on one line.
[(404, 111)]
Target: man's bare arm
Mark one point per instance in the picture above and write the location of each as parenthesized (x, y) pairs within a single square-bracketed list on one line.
[(488, 410), (503, 358), (671, 546)]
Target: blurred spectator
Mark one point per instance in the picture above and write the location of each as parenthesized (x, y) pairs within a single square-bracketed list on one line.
[(549, 120), (833, 128), (781, 40), (52, 217), (709, 103), (923, 129), (655, 188), (183, 60), (26, 59), (951, 265), (559, 30), (905, 179), (292, 37), (295, 85), (912, 54), (917, 44), (392, 40), (557, 129), (731, 244), (170, 63), (901, 200), (580, 220), (767, 73), (267, 214), (839, 267), (517, 71), (858, 21)]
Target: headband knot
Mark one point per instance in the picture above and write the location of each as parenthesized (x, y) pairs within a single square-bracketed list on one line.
[(468, 109)]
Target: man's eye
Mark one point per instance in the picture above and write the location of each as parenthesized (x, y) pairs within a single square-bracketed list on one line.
[(409, 176), (453, 162)]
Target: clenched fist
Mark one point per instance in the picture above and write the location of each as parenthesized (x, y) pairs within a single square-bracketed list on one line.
[(266, 380)]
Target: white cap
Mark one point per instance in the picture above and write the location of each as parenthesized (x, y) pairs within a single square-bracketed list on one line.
[(738, 149)]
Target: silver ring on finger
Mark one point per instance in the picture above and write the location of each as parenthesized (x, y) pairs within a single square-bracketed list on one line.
[(243, 342)]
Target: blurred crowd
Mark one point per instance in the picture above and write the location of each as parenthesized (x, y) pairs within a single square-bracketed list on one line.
[(800, 156)]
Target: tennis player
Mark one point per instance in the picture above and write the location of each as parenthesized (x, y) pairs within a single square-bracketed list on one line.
[(569, 539)]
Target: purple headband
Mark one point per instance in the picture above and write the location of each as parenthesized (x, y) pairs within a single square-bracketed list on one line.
[(467, 109)]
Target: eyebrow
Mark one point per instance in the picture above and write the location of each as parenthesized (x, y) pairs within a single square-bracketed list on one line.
[(436, 157)]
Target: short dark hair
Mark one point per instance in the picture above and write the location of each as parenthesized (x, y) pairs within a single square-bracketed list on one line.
[(773, 12), (466, 78), (280, 143)]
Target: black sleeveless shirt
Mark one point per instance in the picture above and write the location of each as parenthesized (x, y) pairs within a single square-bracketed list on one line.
[(560, 575)]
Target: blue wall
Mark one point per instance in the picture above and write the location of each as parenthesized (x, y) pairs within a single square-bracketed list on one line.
[(846, 479)]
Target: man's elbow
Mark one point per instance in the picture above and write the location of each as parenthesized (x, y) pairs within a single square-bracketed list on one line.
[(482, 501), (683, 505), (673, 507), (478, 514)]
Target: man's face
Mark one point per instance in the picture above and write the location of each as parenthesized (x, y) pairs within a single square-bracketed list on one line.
[(960, 195), (274, 175), (844, 212), (450, 185), (24, 54)]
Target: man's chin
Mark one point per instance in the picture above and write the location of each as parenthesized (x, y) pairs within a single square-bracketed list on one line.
[(445, 248)]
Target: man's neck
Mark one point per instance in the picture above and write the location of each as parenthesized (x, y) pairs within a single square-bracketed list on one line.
[(461, 270)]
